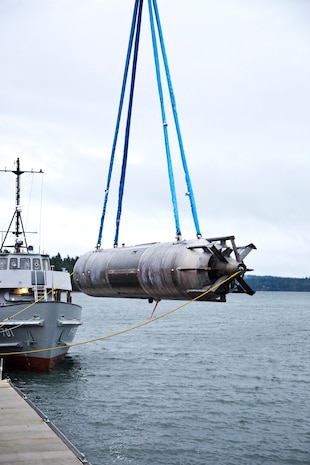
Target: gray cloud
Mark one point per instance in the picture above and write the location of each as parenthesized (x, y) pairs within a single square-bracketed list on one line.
[(240, 72)]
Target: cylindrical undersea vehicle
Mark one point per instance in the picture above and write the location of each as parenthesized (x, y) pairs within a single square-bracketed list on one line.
[(181, 270)]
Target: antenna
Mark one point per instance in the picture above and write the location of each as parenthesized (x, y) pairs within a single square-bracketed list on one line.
[(19, 226)]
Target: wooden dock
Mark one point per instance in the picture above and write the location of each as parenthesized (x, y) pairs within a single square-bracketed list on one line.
[(27, 437)]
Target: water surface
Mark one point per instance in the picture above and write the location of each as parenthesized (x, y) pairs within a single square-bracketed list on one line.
[(213, 383)]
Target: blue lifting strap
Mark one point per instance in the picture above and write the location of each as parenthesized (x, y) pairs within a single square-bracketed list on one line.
[(131, 38), (165, 126), (127, 131), (175, 114), (134, 38)]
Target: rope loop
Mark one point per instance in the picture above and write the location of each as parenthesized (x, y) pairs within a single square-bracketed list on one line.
[(131, 328)]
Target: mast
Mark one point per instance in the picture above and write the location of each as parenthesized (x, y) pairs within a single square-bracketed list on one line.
[(19, 227), (18, 174)]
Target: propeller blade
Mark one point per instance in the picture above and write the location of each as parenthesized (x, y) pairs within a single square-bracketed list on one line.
[(247, 249), (218, 254), (244, 286), (236, 251)]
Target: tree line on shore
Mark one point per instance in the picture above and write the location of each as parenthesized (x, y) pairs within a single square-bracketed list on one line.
[(59, 263), (258, 283), (275, 283)]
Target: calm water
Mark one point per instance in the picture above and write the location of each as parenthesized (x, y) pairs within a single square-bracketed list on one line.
[(210, 384)]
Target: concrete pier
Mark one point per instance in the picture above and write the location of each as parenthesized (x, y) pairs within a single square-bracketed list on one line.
[(27, 437)]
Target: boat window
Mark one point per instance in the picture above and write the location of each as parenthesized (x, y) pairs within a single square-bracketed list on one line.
[(36, 264), (3, 263), (13, 264), (25, 263), (46, 265)]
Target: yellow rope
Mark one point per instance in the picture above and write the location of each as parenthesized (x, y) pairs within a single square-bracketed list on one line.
[(2, 322), (123, 331)]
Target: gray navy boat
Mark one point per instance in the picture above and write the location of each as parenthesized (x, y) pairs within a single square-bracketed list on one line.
[(37, 317)]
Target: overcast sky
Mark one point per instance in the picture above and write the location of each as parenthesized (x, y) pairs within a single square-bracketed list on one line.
[(241, 73)]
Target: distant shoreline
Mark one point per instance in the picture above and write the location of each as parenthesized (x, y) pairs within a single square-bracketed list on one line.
[(274, 283)]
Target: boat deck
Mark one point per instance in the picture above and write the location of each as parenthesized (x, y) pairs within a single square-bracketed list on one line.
[(27, 437)]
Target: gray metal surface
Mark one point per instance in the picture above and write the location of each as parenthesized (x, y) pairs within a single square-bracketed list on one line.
[(39, 326), (176, 270)]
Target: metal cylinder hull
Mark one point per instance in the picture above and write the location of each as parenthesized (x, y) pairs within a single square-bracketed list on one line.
[(178, 271)]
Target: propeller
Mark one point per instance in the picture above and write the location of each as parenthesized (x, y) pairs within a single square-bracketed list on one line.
[(240, 253)]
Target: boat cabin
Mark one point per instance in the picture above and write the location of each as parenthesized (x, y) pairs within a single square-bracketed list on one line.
[(27, 277)]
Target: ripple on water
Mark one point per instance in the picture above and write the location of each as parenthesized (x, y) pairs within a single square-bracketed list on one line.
[(211, 384)]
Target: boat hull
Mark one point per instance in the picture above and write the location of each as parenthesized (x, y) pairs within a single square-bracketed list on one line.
[(37, 337), (31, 363)]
